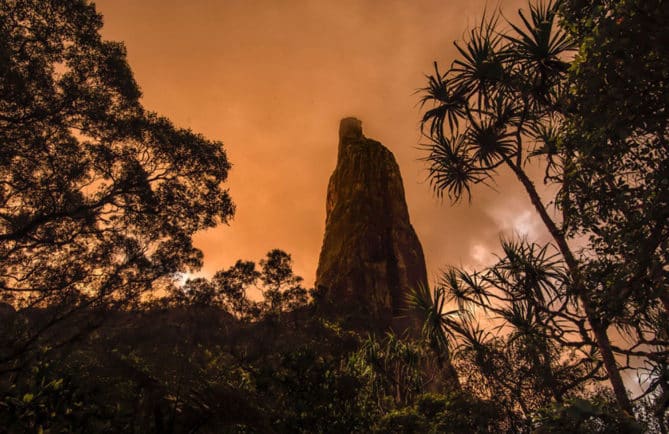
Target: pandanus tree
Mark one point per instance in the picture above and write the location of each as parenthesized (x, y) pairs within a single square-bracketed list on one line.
[(504, 104), (530, 350), (431, 307), (393, 366)]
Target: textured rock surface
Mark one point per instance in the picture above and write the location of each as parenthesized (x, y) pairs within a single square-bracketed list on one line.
[(371, 255)]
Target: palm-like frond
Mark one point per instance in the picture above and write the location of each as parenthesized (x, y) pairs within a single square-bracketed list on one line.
[(490, 142), (448, 103), (539, 42), (463, 288), (547, 137), (521, 316), (431, 307), (505, 110), (451, 167), (451, 282), (529, 271), (481, 67), (529, 332), (473, 338)]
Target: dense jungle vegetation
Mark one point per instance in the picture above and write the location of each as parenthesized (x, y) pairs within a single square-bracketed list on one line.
[(100, 199)]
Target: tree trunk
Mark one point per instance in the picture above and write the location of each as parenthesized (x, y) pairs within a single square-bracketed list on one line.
[(604, 345), (599, 329)]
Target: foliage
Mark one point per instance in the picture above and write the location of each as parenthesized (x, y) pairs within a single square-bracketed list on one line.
[(506, 86), (433, 413), (618, 136), (512, 100), (316, 394), (533, 355), (281, 290), (396, 369), (42, 400), (596, 415), (99, 198), (196, 368)]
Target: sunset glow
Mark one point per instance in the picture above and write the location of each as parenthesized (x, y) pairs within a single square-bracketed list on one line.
[(272, 79)]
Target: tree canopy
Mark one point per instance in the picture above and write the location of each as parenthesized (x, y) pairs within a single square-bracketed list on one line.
[(99, 198)]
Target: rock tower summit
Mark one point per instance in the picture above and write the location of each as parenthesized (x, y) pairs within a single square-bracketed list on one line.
[(371, 256)]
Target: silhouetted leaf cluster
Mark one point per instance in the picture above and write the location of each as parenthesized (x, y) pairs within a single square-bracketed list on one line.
[(578, 88), (99, 198)]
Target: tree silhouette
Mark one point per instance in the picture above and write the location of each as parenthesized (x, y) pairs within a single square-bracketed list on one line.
[(99, 198), (280, 288), (505, 104), (618, 193)]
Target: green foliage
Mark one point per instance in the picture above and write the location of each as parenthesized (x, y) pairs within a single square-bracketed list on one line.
[(616, 189), (596, 415), (617, 192), (197, 370), (44, 401), (205, 359), (403, 421), (316, 394), (620, 74), (396, 369), (433, 413)]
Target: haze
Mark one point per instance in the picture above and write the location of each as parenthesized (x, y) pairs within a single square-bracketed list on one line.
[(272, 79)]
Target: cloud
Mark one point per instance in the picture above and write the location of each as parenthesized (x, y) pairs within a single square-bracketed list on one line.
[(272, 79)]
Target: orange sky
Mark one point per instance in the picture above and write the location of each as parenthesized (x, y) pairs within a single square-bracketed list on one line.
[(272, 78)]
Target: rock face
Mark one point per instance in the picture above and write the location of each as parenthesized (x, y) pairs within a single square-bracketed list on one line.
[(371, 255)]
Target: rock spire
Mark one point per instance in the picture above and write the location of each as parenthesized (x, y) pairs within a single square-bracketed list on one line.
[(371, 255)]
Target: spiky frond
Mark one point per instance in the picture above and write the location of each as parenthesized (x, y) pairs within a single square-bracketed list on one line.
[(538, 49), (447, 100), (480, 69), (431, 307), (528, 270), (490, 142), (451, 168)]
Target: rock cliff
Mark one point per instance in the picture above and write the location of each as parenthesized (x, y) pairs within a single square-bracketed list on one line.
[(371, 255)]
